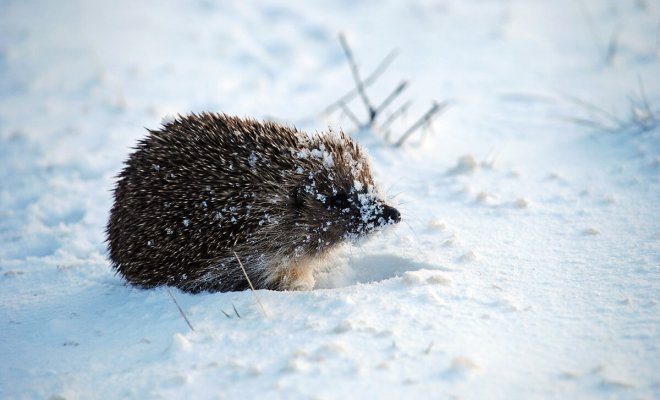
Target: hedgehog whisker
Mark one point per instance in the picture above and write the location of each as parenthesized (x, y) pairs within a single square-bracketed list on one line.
[(412, 230), (407, 202), (394, 196)]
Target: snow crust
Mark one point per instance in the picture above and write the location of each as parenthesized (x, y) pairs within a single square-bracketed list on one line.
[(527, 264)]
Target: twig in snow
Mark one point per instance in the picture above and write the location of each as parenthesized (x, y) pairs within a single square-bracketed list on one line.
[(236, 311), (657, 41), (356, 77), (375, 111), (596, 110), (251, 287), (396, 114), (180, 309), (641, 117), (365, 83), (395, 93), (613, 44), (643, 98), (612, 48), (424, 120), (347, 111), (428, 349), (591, 124), (226, 315)]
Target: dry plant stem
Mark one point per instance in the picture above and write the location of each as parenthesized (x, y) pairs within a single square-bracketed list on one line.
[(425, 119), (350, 115), (595, 109), (395, 93), (366, 83), (180, 309), (356, 77), (396, 114), (641, 116), (591, 124), (251, 287), (612, 48), (642, 96), (374, 112)]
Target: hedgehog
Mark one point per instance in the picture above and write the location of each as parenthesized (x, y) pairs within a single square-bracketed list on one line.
[(209, 198)]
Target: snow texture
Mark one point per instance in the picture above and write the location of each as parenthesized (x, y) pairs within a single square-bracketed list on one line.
[(527, 264)]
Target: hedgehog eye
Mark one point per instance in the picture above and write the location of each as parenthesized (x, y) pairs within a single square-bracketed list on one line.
[(339, 200)]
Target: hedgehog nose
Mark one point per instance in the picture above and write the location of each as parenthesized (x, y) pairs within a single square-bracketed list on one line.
[(391, 214)]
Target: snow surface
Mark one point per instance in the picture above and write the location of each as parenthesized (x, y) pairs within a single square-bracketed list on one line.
[(528, 262)]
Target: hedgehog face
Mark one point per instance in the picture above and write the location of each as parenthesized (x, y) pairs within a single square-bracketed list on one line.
[(361, 212), (339, 211), (332, 195)]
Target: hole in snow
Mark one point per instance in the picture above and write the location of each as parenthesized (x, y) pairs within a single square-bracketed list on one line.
[(368, 269)]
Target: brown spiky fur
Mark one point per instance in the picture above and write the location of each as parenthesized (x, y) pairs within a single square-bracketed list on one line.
[(207, 185)]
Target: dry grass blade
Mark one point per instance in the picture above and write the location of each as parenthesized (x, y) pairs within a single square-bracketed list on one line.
[(612, 48), (396, 114), (643, 98), (356, 77), (226, 315), (347, 111), (235, 310), (375, 111), (251, 287), (428, 349), (365, 83), (591, 124), (424, 120), (395, 93), (641, 116), (595, 109), (180, 309)]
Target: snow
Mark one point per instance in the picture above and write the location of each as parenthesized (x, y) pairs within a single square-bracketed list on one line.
[(527, 263)]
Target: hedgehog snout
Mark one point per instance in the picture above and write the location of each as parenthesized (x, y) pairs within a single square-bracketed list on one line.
[(375, 215), (383, 215), (391, 215)]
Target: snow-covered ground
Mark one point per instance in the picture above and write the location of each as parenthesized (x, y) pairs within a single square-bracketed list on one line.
[(528, 265)]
